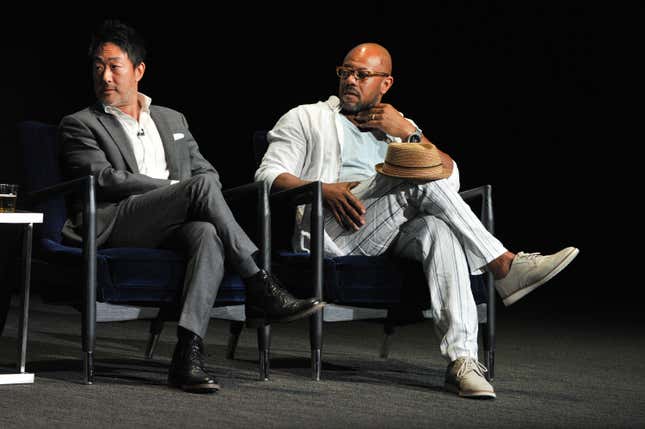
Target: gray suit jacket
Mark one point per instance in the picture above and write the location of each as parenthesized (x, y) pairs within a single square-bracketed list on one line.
[(94, 142)]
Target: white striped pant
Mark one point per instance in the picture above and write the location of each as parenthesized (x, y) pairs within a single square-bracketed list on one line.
[(431, 223)]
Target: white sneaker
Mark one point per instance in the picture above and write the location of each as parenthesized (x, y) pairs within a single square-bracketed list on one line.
[(465, 377), (530, 270)]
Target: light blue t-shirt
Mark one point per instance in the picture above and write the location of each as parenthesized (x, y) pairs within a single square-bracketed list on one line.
[(361, 152)]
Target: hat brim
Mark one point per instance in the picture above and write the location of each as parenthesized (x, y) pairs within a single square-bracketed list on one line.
[(421, 174)]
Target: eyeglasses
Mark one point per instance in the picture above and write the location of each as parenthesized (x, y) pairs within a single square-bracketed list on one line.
[(345, 72)]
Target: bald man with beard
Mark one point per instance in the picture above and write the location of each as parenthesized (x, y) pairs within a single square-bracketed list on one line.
[(339, 141)]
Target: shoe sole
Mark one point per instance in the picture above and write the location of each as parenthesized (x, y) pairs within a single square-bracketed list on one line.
[(197, 388), (484, 394), (513, 298), (259, 322)]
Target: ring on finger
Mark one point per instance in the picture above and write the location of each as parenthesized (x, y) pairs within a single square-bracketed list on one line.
[(372, 117)]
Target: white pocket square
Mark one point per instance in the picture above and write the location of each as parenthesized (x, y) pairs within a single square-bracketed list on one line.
[(177, 136)]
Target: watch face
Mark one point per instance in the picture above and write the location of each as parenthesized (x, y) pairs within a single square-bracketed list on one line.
[(414, 138)]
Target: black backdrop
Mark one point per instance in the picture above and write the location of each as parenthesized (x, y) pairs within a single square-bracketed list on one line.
[(515, 93)]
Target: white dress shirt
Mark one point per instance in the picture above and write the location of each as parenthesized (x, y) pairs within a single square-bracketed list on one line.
[(144, 139)]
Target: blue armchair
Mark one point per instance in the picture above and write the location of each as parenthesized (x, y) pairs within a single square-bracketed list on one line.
[(357, 287), (120, 276)]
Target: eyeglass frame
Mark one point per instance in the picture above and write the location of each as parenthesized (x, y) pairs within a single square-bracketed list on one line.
[(356, 73)]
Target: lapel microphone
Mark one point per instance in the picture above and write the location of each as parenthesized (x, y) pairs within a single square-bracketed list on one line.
[(140, 133)]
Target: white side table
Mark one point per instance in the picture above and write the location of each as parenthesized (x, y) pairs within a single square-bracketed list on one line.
[(27, 219)]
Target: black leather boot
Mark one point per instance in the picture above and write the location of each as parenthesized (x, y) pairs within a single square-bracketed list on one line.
[(187, 369), (267, 302)]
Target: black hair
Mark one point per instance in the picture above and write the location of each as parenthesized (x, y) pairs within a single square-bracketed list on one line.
[(122, 35)]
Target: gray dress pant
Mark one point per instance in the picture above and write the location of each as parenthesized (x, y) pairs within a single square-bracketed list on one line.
[(192, 217)]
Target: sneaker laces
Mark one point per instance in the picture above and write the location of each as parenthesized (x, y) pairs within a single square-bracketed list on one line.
[(530, 256), (470, 364)]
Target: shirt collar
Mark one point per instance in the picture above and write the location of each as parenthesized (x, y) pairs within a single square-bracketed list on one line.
[(143, 100), (333, 103)]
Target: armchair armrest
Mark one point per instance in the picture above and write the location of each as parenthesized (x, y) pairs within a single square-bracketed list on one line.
[(300, 195), (242, 191), (61, 188), (486, 217), (85, 186), (310, 193), (254, 198), (486, 213)]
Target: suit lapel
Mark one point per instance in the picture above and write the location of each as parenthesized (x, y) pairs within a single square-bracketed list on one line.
[(116, 131), (168, 142)]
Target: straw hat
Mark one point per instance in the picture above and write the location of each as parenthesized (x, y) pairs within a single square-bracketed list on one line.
[(414, 161)]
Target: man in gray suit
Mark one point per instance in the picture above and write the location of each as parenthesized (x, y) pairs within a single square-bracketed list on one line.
[(155, 189)]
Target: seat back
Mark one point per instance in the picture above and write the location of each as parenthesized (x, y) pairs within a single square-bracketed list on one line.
[(41, 166), (260, 145)]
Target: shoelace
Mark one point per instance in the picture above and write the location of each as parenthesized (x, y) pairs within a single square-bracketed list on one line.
[(470, 364), (197, 353), (530, 256)]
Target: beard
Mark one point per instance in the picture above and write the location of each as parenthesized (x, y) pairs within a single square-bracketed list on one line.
[(354, 108), (359, 106), (351, 109)]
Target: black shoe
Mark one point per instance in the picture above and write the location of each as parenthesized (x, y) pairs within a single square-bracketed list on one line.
[(267, 302), (187, 369)]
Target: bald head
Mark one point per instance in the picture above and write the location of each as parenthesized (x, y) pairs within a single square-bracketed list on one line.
[(373, 55), (362, 93)]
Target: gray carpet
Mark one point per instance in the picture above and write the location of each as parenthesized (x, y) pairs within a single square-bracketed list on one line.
[(551, 372)]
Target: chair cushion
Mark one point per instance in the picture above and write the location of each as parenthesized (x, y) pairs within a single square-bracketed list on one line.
[(374, 281), (135, 275)]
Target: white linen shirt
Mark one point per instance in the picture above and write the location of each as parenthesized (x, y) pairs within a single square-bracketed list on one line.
[(306, 142)]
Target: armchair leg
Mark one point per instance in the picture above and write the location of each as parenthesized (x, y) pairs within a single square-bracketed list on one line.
[(489, 332), (316, 364), (166, 312), (315, 337), (88, 367), (490, 364), (156, 326), (490, 356), (264, 344), (153, 339), (388, 331), (489, 350), (235, 330)]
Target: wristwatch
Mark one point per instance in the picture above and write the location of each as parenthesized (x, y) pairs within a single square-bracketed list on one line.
[(415, 137)]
